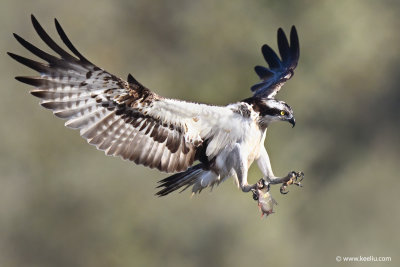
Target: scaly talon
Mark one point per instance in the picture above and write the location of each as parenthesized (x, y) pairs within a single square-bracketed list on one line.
[(299, 178), (283, 189), (261, 184), (293, 178)]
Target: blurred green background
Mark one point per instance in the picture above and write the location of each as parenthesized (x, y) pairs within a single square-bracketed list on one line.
[(63, 203)]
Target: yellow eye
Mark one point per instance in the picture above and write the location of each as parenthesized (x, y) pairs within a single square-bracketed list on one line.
[(283, 113)]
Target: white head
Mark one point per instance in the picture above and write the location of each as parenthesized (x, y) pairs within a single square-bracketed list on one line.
[(273, 110)]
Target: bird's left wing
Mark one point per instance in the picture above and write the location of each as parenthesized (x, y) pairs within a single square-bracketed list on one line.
[(280, 70), (123, 118)]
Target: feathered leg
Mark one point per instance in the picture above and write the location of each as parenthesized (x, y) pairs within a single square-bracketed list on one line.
[(265, 166)]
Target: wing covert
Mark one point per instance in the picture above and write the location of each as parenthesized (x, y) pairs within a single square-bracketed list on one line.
[(122, 118)]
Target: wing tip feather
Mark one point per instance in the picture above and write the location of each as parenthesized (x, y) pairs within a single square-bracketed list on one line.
[(28, 80), (279, 67)]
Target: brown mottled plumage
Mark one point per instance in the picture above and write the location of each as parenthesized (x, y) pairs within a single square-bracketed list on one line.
[(107, 110)]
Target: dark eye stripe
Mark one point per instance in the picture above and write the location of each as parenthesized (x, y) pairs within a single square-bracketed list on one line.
[(270, 111)]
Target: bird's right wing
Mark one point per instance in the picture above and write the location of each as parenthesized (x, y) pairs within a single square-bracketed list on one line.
[(124, 118), (280, 70)]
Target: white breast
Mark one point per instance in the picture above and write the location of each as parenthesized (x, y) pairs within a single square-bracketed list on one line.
[(248, 146), (253, 143)]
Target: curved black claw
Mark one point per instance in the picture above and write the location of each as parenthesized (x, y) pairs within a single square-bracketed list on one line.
[(255, 194), (283, 189), (261, 184)]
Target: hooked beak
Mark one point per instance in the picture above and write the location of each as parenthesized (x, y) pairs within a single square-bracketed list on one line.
[(292, 121)]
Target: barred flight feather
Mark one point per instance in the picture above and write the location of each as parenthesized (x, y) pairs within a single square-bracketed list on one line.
[(124, 118)]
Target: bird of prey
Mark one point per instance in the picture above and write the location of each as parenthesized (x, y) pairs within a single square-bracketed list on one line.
[(126, 119)]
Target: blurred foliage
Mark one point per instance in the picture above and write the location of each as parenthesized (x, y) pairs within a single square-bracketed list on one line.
[(62, 203)]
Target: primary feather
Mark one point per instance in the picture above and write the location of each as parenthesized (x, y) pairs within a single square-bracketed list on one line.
[(280, 70), (123, 118)]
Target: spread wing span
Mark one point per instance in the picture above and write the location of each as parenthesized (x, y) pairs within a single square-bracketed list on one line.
[(280, 69), (123, 118)]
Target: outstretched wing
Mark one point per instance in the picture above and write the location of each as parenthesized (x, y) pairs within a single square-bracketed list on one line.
[(123, 118), (280, 70)]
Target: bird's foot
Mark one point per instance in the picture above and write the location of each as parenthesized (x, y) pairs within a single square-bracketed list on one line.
[(260, 186), (261, 190), (292, 178)]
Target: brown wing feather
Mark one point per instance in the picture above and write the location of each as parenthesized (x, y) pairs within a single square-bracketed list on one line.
[(108, 110)]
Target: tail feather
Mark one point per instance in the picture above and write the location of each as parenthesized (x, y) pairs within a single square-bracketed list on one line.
[(176, 181)]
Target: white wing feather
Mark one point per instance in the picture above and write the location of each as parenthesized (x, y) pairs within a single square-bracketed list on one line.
[(124, 118)]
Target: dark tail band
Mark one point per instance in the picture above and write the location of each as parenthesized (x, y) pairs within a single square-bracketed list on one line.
[(176, 181)]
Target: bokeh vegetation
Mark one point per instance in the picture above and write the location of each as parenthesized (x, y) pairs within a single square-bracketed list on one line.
[(62, 203)]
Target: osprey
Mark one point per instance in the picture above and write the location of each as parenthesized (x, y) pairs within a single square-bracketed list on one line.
[(126, 119)]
